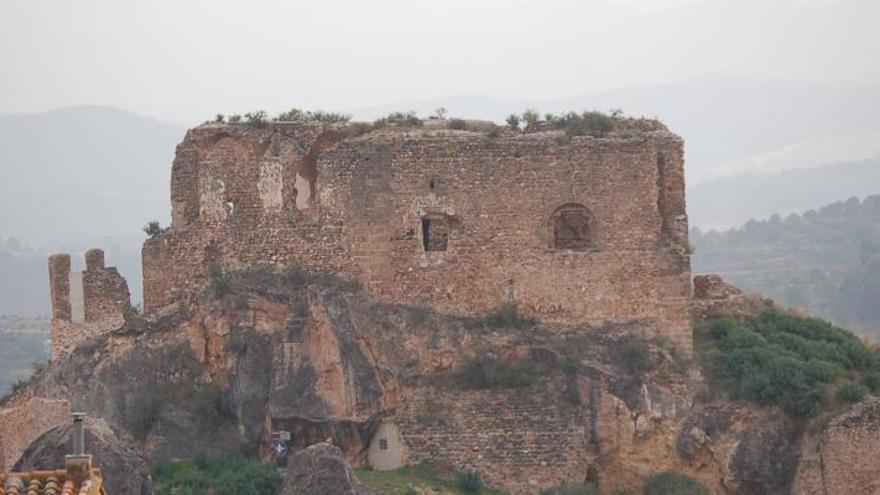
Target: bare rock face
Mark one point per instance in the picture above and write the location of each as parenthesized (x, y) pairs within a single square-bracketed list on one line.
[(321, 470), (124, 469), (847, 459), (750, 450)]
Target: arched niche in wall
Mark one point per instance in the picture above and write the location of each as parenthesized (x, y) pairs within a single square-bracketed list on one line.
[(572, 228)]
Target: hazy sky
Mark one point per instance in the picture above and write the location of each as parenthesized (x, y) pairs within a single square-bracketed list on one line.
[(186, 60)]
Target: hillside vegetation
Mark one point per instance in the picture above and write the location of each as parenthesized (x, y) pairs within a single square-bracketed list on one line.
[(804, 365), (826, 262)]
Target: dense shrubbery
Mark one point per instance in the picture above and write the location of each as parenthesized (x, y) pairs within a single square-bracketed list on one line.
[(304, 116), (673, 483), (570, 489), (507, 316), (457, 124), (587, 123), (401, 119), (633, 355), (228, 475), (153, 228), (794, 362), (256, 119), (488, 372), (596, 124)]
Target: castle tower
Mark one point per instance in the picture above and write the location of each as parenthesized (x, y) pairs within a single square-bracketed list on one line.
[(85, 304)]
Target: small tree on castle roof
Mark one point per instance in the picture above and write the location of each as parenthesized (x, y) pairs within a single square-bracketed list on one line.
[(153, 228)]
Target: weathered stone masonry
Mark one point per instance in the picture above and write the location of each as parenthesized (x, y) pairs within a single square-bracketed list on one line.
[(587, 231), (85, 304)]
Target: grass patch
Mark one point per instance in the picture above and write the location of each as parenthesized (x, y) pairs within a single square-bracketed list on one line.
[(232, 474), (673, 483), (399, 119), (570, 489), (507, 316), (776, 358), (409, 479), (304, 116)]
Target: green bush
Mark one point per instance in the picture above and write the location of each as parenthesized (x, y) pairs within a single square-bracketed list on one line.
[(786, 360), (673, 483), (850, 392), (457, 124), (305, 116), (488, 372), (227, 475), (513, 122), (400, 119), (256, 119), (470, 481), (570, 489), (507, 316), (235, 119), (872, 381), (531, 118), (633, 355), (589, 123), (152, 228)]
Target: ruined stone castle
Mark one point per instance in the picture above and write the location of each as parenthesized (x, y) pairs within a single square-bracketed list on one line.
[(584, 230)]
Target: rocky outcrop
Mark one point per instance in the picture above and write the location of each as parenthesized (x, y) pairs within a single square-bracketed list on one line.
[(321, 470), (713, 298), (312, 356), (846, 458), (124, 470)]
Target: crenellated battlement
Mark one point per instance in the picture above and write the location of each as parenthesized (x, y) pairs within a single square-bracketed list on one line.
[(85, 303)]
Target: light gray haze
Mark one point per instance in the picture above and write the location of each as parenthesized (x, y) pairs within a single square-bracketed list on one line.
[(185, 60)]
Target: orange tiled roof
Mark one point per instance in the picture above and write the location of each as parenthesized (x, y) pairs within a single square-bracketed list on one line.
[(48, 483)]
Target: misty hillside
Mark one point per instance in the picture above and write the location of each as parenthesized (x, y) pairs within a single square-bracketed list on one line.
[(731, 201), (24, 281), (730, 124), (826, 262), (24, 345), (82, 173), (73, 179)]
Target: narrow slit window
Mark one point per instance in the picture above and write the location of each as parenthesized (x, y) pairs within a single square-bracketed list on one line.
[(435, 233)]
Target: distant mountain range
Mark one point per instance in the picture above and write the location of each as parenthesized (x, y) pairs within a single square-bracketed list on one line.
[(731, 201), (826, 262), (77, 178), (730, 124), (92, 176)]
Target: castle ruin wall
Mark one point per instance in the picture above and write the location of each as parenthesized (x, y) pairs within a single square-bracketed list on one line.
[(85, 304), (591, 231)]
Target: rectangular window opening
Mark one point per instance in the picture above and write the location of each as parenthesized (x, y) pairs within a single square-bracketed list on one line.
[(435, 234)]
